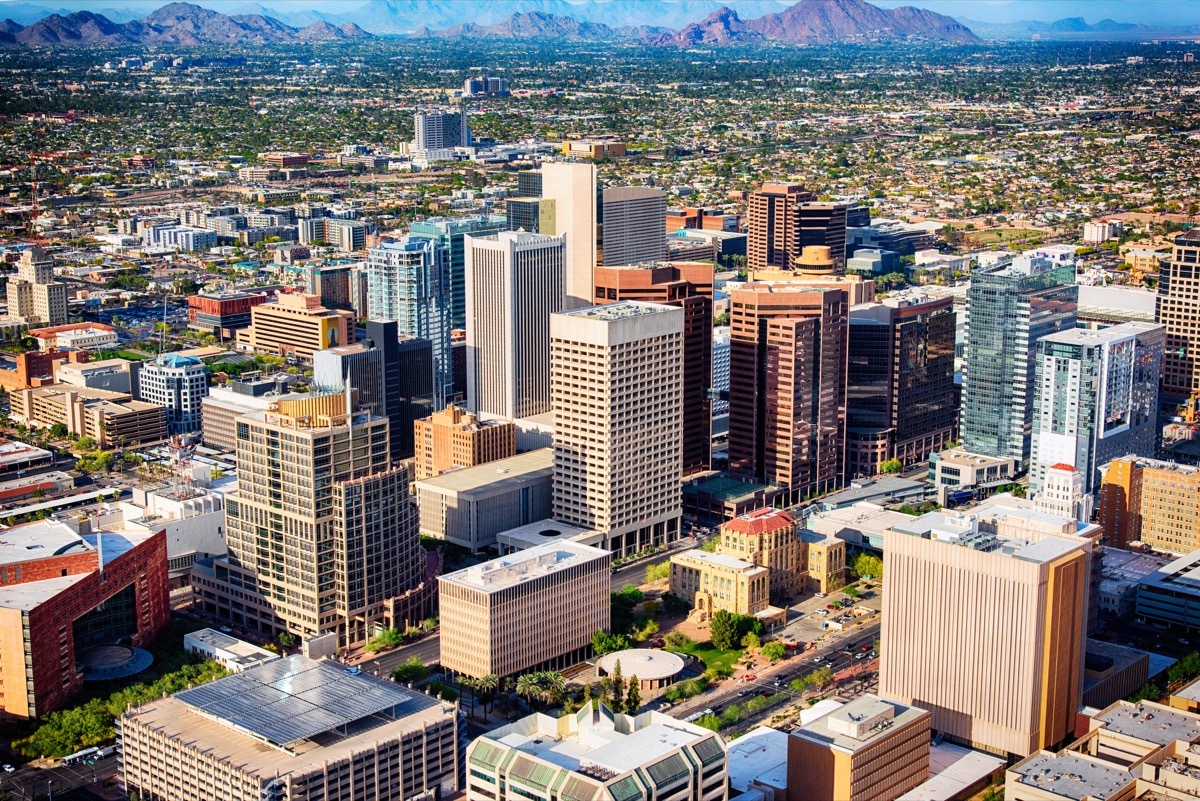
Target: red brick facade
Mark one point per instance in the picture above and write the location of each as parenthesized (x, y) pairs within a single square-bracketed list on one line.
[(69, 564), (50, 624)]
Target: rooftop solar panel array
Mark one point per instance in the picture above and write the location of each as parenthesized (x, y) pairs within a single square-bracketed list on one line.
[(293, 699)]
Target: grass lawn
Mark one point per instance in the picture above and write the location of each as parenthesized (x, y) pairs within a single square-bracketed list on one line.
[(1004, 235), (714, 657)]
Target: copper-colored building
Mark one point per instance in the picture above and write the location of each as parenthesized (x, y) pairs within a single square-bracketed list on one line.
[(774, 219), (1152, 501), (788, 356), (870, 749), (689, 286), (454, 437)]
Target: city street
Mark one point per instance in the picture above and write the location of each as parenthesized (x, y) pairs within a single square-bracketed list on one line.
[(31, 784)]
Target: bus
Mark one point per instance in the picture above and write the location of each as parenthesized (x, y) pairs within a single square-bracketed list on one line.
[(80, 756)]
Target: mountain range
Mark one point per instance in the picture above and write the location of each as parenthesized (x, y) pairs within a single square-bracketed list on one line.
[(805, 22), (175, 25)]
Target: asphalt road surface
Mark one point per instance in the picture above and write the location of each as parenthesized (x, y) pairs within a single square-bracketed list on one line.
[(31, 784)]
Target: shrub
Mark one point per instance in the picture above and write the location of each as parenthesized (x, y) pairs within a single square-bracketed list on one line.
[(773, 651), (412, 670), (658, 572), (678, 641)]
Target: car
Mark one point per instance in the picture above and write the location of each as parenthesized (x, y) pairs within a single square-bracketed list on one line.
[(743, 693), (1184, 641), (354, 671), (872, 655), (865, 648), (819, 595), (818, 660), (824, 613), (831, 606), (859, 656), (8, 768), (226, 630)]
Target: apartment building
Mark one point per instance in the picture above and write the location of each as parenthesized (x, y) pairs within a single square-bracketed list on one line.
[(1150, 501), (1096, 399), (1008, 576), (454, 438), (494, 615), (617, 422), (309, 464), (598, 755), (514, 282), (788, 361), (869, 749), (293, 729), (296, 326), (688, 286), (34, 297)]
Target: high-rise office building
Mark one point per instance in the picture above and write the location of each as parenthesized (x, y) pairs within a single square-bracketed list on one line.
[(634, 229), (901, 402), (449, 232), (617, 422), (1010, 306), (774, 219), (177, 383), (331, 283), (572, 187), (454, 438), (409, 282), (824, 224), (296, 326), (534, 215), (1096, 398), (515, 281), (787, 368), (995, 581), (438, 130), (690, 287), (393, 375), (1151, 501), (535, 609), (34, 297), (529, 183), (1178, 311), (321, 533), (720, 370)]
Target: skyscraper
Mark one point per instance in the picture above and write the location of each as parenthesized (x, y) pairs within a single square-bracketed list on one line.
[(1096, 399), (900, 398), (986, 629), (572, 187), (321, 532), (515, 281), (1178, 311), (409, 282), (825, 224), (774, 217), (690, 287), (1010, 306), (393, 375), (787, 374), (438, 130), (449, 232), (617, 428), (634, 229)]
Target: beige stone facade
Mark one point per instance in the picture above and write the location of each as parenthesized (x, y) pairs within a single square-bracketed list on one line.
[(110, 418), (531, 610), (870, 749), (34, 296), (712, 581), (1155, 502), (296, 326), (826, 558), (454, 437), (769, 538)]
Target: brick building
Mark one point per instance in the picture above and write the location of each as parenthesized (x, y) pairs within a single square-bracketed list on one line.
[(61, 594)]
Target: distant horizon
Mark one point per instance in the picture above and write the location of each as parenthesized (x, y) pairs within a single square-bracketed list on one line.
[(1161, 13)]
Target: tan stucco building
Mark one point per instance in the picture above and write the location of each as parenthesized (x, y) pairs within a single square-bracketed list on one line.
[(769, 538), (296, 326), (826, 558), (870, 749), (534, 609), (454, 437), (712, 581)]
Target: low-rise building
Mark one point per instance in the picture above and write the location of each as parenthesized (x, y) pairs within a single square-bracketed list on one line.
[(870, 749), (494, 616), (713, 581), (61, 594), (234, 654), (1171, 594), (598, 755), (769, 538), (296, 326), (114, 375), (107, 417), (826, 557), (455, 437), (81, 336), (292, 730), (471, 506), (223, 405), (956, 469)]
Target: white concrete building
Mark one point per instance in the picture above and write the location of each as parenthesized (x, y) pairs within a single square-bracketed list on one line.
[(236, 655), (177, 383)]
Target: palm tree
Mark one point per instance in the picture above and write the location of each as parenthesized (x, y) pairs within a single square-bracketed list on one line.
[(528, 686), (488, 685), (553, 686)]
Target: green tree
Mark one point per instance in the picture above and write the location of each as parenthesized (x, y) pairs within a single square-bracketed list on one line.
[(658, 572), (528, 687), (58, 430), (891, 466), (820, 678), (287, 639), (605, 643), (751, 640), (678, 641), (724, 629), (633, 695), (711, 722), (412, 670), (868, 566), (773, 651), (1185, 669), (388, 638), (710, 545), (618, 688)]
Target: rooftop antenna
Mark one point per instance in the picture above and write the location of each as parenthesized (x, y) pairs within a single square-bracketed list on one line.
[(162, 333)]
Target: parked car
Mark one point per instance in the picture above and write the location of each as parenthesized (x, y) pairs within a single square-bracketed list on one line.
[(824, 613), (8, 768), (820, 595), (831, 606), (743, 693), (354, 671)]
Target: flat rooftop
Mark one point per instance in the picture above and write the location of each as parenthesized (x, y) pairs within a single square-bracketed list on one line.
[(622, 310), (12, 451), (32, 594), (761, 755), (952, 769), (39, 540), (720, 560), (542, 560), (1073, 776), (1153, 723), (241, 651), (859, 724), (724, 488), (493, 475), (889, 486)]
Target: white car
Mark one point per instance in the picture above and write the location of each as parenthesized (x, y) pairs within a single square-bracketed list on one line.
[(8, 768), (824, 613), (819, 595), (818, 660)]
